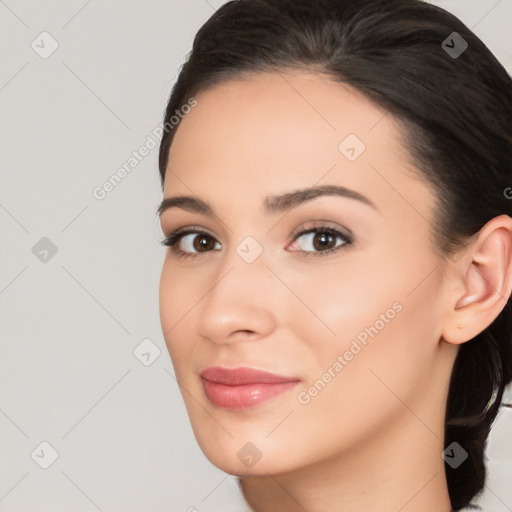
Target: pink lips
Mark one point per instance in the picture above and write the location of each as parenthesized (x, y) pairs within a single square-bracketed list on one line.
[(238, 388)]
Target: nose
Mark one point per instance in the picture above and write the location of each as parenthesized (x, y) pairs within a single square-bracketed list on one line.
[(241, 302)]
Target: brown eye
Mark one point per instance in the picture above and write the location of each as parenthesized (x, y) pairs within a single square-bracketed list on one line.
[(203, 243), (321, 240), (189, 243)]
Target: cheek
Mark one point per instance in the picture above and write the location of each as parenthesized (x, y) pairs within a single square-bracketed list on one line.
[(376, 314), (384, 368), (176, 301), (339, 301)]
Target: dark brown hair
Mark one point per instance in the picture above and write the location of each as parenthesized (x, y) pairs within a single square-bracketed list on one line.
[(456, 112)]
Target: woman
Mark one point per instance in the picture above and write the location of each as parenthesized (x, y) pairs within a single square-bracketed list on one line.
[(335, 296)]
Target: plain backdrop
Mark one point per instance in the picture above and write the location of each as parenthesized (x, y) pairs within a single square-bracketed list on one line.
[(86, 382)]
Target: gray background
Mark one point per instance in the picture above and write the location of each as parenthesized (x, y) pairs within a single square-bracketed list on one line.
[(70, 323)]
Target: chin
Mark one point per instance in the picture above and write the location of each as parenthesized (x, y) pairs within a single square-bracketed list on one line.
[(239, 456)]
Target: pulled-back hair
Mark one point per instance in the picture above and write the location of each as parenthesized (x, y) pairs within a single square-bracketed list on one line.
[(456, 115)]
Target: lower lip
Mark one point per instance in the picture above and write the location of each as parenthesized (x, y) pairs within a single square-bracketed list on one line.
[(246, 395)]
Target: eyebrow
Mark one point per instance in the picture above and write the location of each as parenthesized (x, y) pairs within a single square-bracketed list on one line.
[(272, 204)]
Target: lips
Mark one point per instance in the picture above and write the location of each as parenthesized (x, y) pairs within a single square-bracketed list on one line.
[(243, 387)]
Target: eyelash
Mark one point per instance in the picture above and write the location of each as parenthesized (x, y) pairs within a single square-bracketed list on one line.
[(176, 236)]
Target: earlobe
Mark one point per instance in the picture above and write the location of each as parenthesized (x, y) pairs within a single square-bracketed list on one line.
[(485, 278)]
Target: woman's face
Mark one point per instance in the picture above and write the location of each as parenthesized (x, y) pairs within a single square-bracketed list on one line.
[(354, 333)]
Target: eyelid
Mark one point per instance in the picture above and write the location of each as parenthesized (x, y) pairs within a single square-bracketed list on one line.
[(323, 227), (191, 228), (175, 236), (322, 224)]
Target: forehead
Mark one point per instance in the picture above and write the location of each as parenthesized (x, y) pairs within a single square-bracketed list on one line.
[(273, 112), (276, 131)]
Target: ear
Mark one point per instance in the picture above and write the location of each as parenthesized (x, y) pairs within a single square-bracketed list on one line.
[(483, 282)]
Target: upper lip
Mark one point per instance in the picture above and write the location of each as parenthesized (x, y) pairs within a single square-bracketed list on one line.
[(242, 375)]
